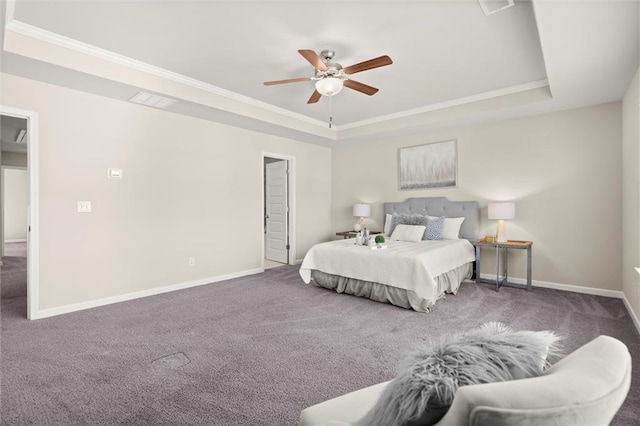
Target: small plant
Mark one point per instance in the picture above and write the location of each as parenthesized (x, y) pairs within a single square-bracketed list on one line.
[(379, 239)]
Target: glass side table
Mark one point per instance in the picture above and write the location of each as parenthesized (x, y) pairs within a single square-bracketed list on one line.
[(505, 247)]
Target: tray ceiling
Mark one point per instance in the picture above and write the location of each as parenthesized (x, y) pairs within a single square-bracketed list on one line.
[(447, 56)]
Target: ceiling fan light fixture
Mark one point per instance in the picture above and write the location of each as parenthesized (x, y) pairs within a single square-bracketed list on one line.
[(329, 86)]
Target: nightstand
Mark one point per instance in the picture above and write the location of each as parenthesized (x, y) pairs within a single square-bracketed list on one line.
[(352, 234), (510, 244)]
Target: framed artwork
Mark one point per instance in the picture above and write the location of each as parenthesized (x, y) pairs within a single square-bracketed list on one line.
[(433, 165)]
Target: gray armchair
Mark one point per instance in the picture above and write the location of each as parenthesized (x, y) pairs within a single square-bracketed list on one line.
[(587, 387)]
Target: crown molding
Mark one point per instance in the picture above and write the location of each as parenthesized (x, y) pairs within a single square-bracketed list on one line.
[(452, 103), (106, 55), (10, 11), (46, 36)]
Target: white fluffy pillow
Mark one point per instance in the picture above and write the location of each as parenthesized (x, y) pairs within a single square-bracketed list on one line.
[(411, 233), (451, 229)]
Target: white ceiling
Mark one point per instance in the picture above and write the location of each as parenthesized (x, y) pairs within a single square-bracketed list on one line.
[(452, 64)]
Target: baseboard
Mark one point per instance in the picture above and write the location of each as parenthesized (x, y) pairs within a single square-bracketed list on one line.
[(298, 261), (50, 312), (578, 289), (15, 241), (633, 315), (564, 287)]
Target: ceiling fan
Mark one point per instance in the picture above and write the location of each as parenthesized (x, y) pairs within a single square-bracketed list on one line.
[(330, 76)]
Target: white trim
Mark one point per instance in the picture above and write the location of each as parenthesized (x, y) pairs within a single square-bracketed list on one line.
[(291, 184), (616, 294), (45, 313), (298, 261), (448, 104), (578, 289), (9, 15), (632, 314), (556, 286), (14, 241), (106, 55), (33, 237)]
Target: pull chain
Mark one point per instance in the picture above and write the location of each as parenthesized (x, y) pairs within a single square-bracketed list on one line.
[(330, 111)]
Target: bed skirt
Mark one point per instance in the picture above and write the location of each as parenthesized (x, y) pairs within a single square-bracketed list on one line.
[(447, 283)]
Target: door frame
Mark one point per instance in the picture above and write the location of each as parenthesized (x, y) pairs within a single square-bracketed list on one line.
[(291, 197), (33, 221)]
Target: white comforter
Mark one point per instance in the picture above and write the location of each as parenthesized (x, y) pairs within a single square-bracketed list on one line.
[(407, 265)]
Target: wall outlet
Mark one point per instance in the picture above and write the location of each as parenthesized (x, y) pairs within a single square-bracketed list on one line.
[(84, 206), (192, 261)]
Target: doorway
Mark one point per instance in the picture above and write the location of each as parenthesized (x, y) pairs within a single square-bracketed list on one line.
[(14, 194), (18, 207), (277, 211)]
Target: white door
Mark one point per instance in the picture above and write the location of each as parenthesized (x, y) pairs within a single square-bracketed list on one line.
[(276, 210)]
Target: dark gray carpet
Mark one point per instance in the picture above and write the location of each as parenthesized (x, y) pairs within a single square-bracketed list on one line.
[(14, 271), (254, 351)]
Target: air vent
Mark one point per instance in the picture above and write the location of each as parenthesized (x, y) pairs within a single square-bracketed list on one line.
[(154, 101)]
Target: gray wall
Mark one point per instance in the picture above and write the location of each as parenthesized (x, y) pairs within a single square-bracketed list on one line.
[(194, 188), (191, 188), (15, 192), (16, 159), (563, 170), (10, 159), (631, 192)]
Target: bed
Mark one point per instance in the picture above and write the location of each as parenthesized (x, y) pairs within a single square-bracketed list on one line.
[(412, 275)]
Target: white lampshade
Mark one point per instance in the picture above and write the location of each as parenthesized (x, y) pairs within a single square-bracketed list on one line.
[(502, 211), (362, 210), (329, 86)]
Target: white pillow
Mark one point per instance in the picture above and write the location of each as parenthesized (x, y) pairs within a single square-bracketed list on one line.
[(411, 233), (451, 229), (387, 224)]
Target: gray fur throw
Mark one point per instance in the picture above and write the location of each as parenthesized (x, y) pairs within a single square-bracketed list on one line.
[(428, 378)]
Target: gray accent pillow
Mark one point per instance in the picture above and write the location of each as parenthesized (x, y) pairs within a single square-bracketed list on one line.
[(435, 227), (408, 219), (427, 381)]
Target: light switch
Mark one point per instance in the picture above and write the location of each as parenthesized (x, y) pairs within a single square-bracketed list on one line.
[(84, 206)]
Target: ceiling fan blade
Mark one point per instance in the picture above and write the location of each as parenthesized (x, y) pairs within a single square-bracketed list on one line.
[(291, 80), (315, 97), (360, 87), (313, 59), (367, 65)]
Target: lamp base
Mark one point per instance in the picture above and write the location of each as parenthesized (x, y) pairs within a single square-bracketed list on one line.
[(501, 233), (357, 227)]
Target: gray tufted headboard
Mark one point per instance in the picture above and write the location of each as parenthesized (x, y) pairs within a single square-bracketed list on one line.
[(441, 206)]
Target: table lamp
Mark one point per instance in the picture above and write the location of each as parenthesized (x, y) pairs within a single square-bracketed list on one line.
[(361, 211), (501, 212)]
